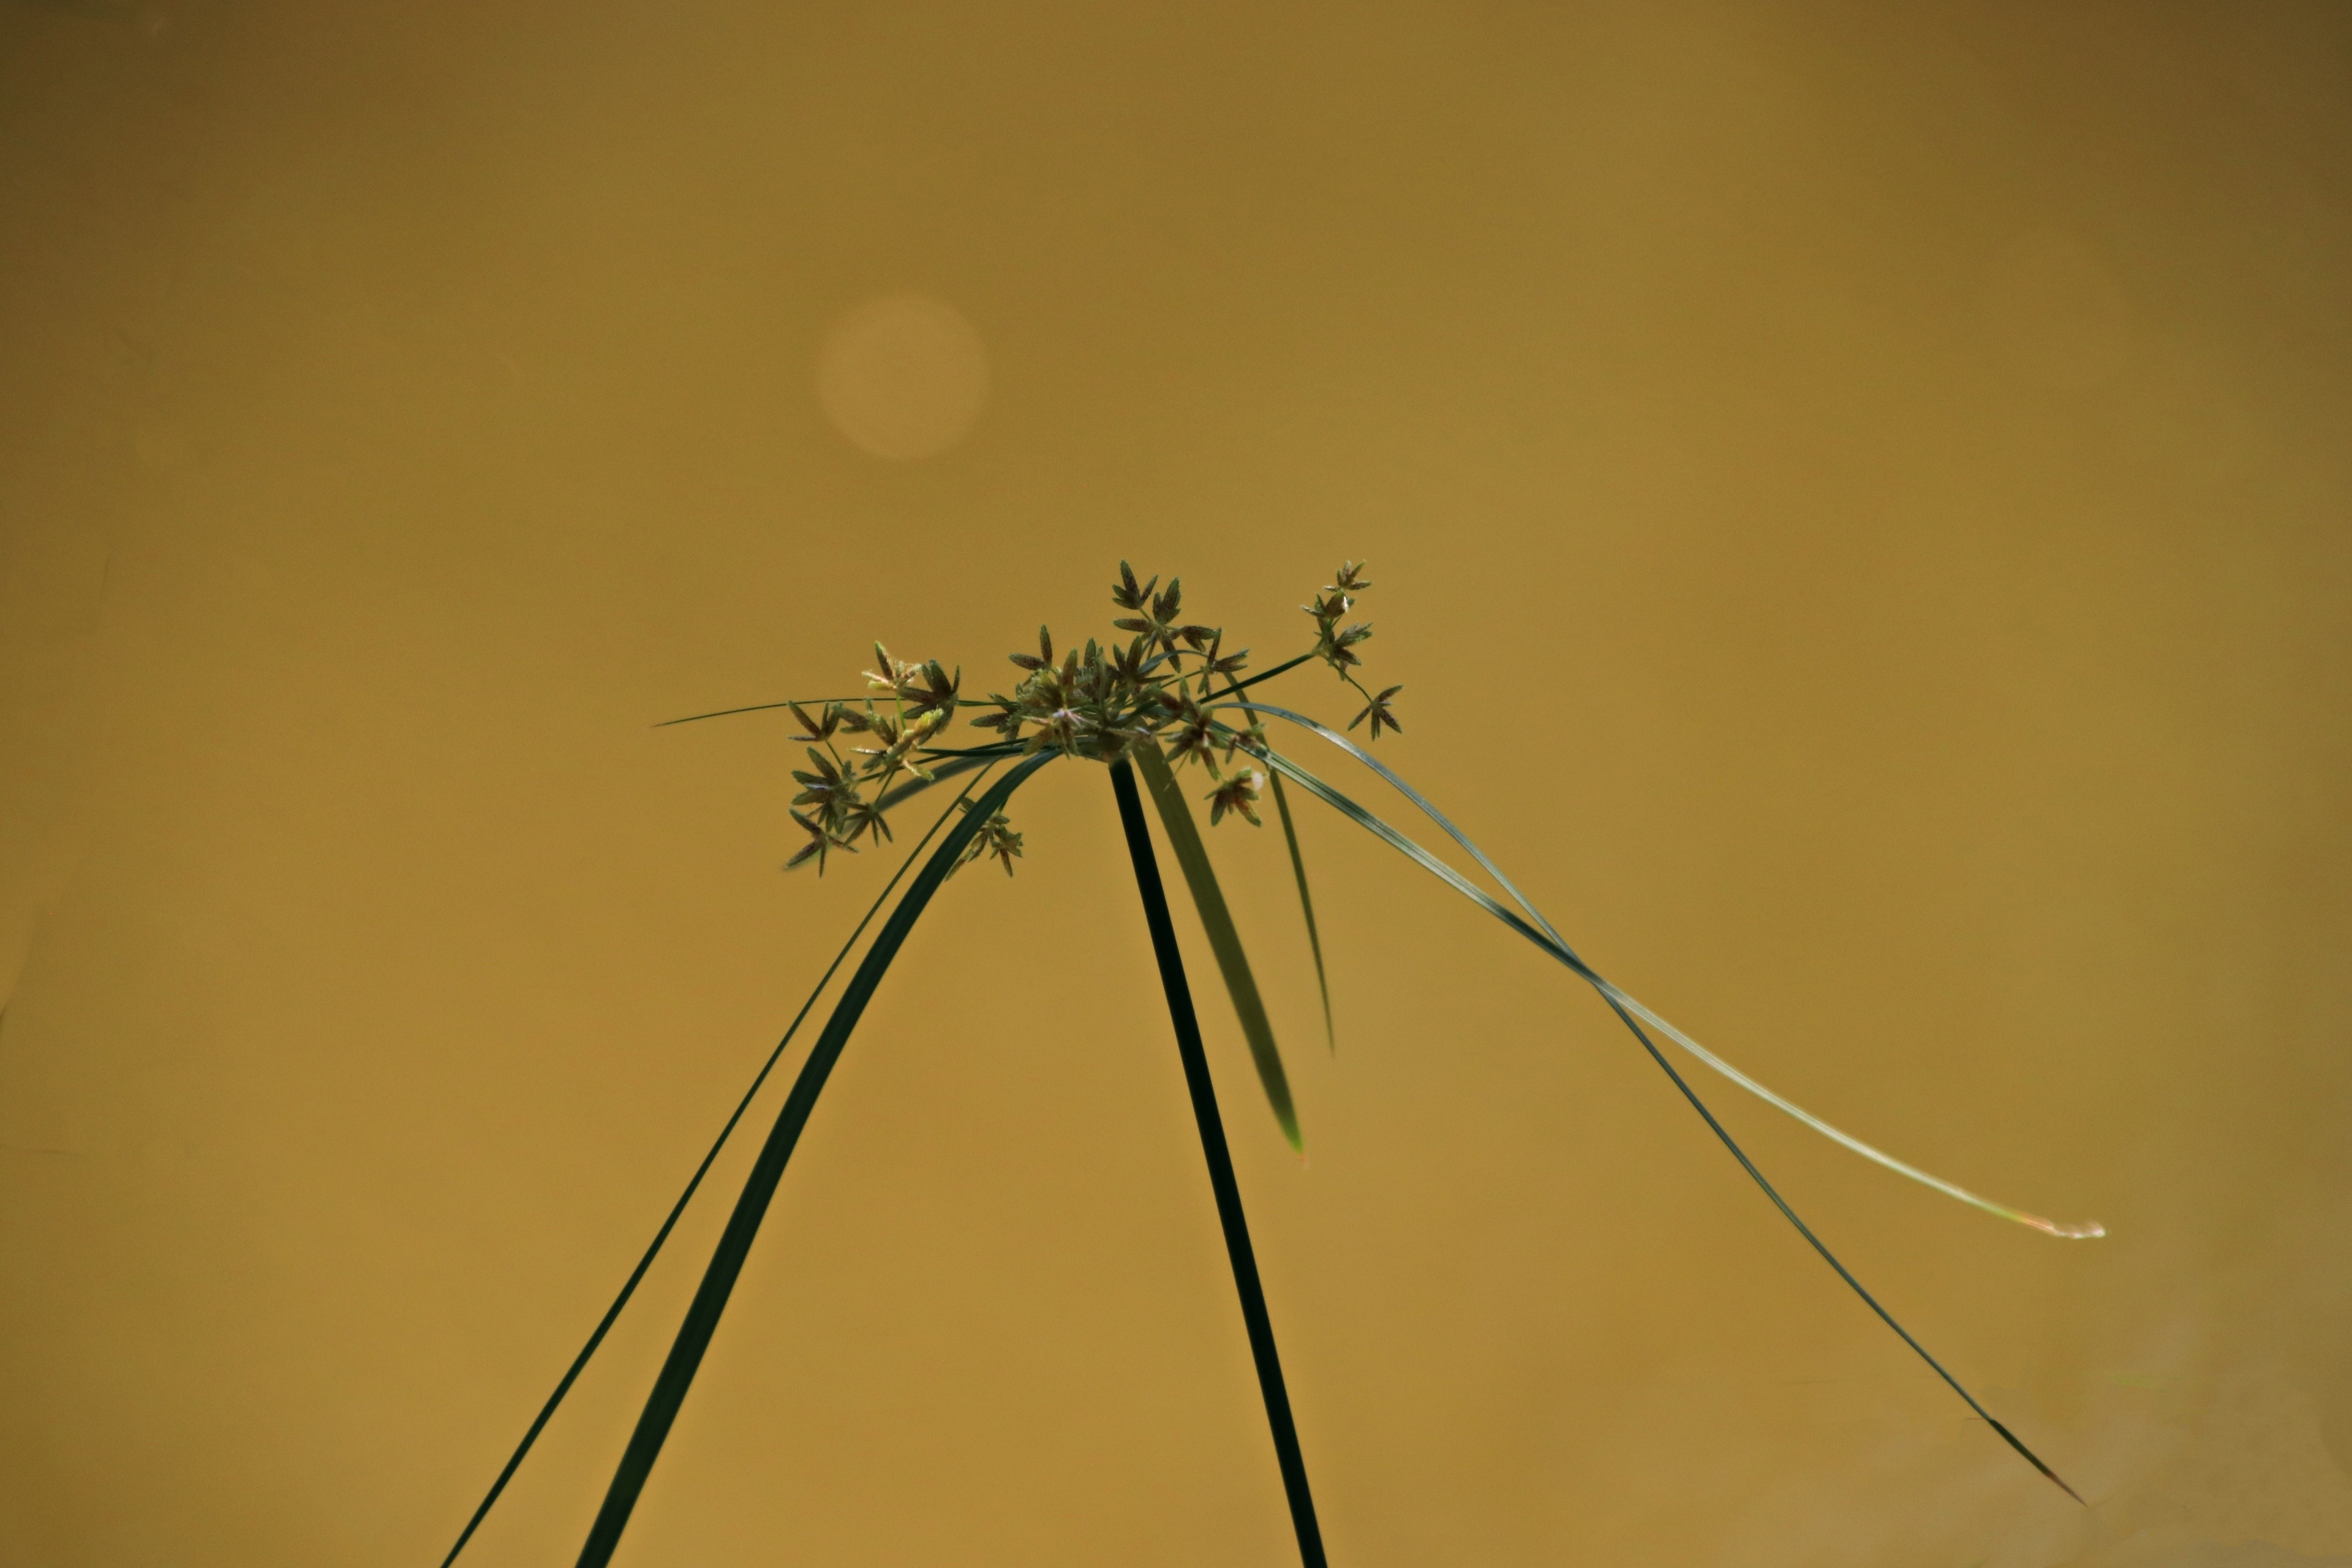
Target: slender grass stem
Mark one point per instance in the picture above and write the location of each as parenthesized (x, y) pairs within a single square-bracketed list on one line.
[(735, 1244), (1221, 1180)]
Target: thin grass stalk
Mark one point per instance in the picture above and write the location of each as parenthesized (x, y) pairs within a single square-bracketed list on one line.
[(1221, 1180), (694, 1334)]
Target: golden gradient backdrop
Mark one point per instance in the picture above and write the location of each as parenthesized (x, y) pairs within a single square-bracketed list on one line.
[(1857, 496)]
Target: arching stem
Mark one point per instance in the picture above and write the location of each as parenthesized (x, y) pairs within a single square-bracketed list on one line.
[(726, 1265)]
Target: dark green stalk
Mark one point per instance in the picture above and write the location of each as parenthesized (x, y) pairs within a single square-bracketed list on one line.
[(613, 1313), (1221, 1180), (735, 1245)]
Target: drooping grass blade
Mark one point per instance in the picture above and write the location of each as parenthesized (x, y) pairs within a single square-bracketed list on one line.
[(2074, 1232), (1225, 940), (1221, 1180), (613, 1313), (1306, 901), (1610, 994), (735, 1244), (1306, 908)]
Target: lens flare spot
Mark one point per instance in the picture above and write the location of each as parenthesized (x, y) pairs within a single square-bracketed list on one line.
[(903, 377)]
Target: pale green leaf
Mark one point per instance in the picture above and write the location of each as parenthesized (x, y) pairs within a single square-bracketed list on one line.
[(1225, 940)]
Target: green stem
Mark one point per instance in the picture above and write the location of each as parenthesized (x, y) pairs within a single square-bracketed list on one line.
[(1221, 1180)]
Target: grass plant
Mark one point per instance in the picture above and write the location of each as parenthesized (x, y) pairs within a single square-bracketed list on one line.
[(1162, 703)]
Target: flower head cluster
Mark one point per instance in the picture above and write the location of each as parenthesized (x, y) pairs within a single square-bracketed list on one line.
[(922, 699), (1337, 647), (995, 837), (1169, 682)]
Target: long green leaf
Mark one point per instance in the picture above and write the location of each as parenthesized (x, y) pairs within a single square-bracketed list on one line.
[(1224, 942), (726, 1265), (1610, 993), (2084, 1230)]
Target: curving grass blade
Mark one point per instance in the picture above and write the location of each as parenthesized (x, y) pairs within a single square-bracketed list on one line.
[(694, 1183), (1559, 951), (726, 1265), (1224, 942), (2083, 1231)]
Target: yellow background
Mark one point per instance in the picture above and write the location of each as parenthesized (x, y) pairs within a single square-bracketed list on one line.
[(1856, 494)]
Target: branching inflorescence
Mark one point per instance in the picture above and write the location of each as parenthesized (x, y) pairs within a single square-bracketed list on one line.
[(1096, 702)]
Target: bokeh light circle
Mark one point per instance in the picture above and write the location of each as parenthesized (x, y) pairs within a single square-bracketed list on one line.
[(903, 377)]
